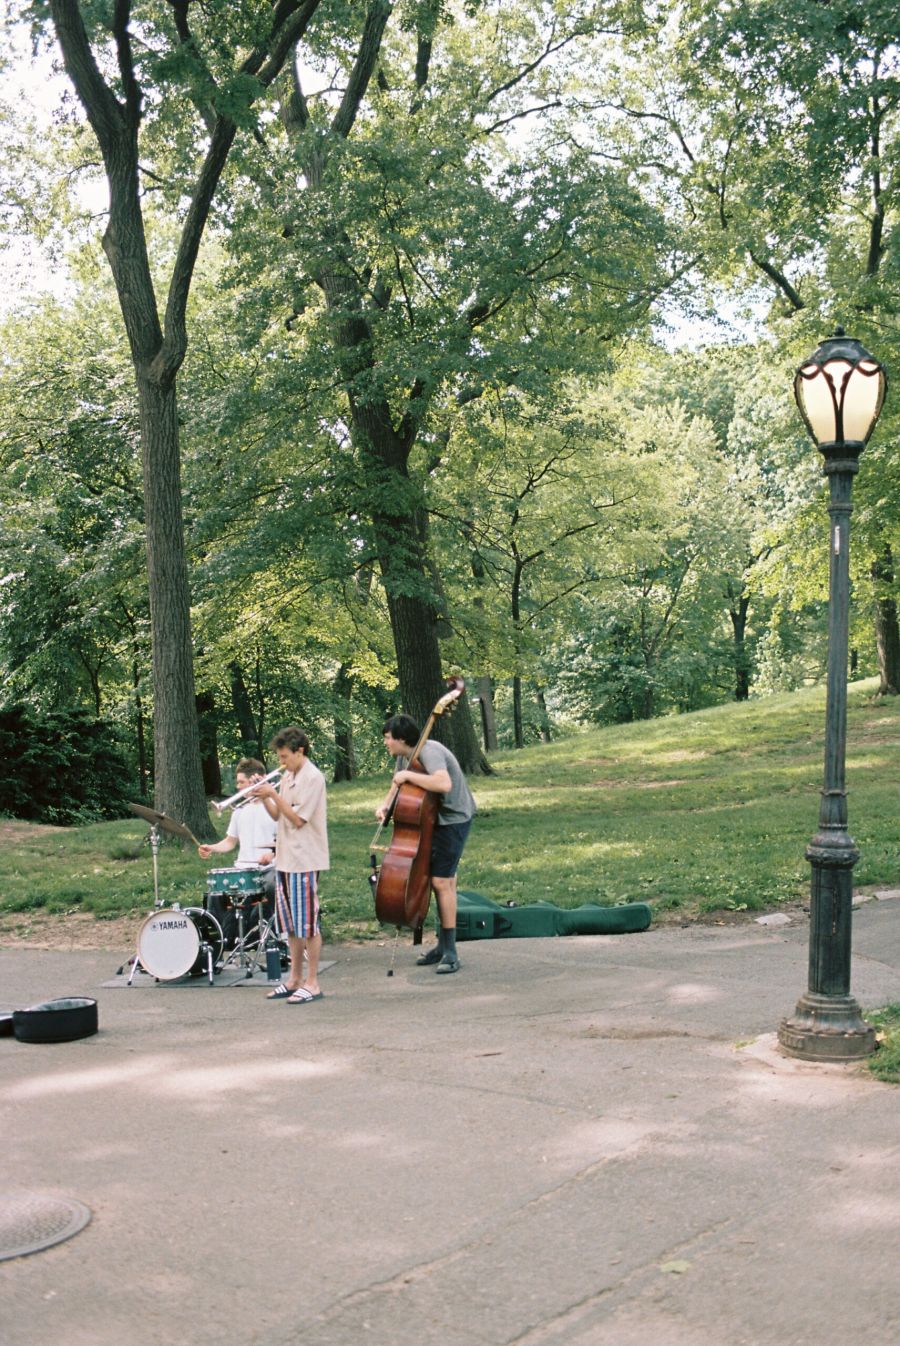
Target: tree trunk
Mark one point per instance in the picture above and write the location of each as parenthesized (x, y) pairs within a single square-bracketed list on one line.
[(485, 687), (140, 735), (738, 615), (646, 696), (515, 612), (177, 778), (403, 558), (157, 350), (243, 711), (139, 718), (209, 746), (887, 632), (421, 677), (546, 736), (94, 676), (344, 761), (518, 729), (400, 528)]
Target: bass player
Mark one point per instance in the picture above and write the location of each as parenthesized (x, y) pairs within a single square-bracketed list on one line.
[(443, 776)]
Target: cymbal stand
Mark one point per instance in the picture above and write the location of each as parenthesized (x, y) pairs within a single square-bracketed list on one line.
[(154, 848), (154, 839)]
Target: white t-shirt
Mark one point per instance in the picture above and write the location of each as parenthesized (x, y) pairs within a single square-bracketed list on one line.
[(252, 827)]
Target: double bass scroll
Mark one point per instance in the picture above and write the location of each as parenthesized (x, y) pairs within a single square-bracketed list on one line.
[(402, 882)]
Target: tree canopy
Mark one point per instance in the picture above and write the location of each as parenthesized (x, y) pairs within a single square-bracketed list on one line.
[(437, 338)]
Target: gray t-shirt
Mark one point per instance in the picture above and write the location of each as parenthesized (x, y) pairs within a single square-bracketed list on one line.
[(457, 805)]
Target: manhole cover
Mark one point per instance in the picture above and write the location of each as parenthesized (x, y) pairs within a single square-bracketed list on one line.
[(29, 1222)]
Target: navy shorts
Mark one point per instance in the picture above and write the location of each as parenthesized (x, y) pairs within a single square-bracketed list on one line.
[(447, 843)]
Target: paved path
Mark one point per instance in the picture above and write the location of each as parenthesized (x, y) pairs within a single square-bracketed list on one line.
[(588, 1141)]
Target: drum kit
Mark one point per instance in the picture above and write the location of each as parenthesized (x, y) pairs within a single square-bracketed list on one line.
[(175, 941)]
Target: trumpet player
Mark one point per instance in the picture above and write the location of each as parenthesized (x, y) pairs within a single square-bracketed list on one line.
[(253, 832), (301, 853)]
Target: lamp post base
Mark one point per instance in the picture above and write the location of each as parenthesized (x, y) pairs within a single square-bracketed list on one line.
[(826, 1028)]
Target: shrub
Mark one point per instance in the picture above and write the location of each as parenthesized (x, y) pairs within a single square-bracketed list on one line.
[(62, 767)]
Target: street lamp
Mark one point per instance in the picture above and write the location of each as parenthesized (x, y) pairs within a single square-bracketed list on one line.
[(840, 392)]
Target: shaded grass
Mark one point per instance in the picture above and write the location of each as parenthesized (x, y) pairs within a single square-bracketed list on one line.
[(695, 813), (885, 1063)]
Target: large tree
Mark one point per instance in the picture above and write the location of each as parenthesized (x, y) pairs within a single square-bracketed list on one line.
[(422, 252), (166, 91), (770, 129)]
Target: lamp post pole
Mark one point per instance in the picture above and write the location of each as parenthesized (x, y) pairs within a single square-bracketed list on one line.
[(827, 1024)]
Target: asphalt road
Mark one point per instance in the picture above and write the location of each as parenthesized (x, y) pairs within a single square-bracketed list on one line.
[(587, 1141)]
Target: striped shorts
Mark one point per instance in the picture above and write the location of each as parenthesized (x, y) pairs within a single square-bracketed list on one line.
[(297, 904)]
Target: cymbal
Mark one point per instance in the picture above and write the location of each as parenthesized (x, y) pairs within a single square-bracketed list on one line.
[(163, 821)]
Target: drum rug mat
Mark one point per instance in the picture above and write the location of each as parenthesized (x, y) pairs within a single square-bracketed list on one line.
[(232, 976)]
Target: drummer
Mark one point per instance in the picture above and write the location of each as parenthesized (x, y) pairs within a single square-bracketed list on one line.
[(252, 830)]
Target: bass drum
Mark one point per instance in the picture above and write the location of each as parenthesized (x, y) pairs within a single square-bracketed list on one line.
[(174, 942)]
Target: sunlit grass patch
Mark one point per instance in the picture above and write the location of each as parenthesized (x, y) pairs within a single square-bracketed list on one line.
[(694, 813)]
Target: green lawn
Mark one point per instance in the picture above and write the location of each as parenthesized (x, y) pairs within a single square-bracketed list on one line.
[(691, 813), (885, 1062)]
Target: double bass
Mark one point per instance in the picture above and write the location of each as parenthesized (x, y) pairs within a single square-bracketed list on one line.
[(402, 882)]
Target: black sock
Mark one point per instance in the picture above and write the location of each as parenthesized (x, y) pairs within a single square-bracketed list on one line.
[(447, 940)]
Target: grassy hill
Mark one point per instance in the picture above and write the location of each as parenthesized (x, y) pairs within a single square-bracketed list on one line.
[(694, 813)]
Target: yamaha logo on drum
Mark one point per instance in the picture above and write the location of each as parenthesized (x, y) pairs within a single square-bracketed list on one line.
[(172, 925)]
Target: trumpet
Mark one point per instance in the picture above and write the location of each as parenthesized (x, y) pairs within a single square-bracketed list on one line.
[(248, 789)]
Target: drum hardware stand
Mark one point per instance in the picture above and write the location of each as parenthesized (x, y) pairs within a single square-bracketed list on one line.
[(153, 837), (154, 849), (258, 940), (206, 947), (239, 951), (135, 964)]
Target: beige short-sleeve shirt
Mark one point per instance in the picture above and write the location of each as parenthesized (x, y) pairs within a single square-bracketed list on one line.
[(298, 850)]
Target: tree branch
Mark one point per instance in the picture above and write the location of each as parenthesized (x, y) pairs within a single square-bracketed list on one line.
[(550, 49), (174, 345), (121, 15), (517, 116), (104, 111), (187, 39), (876, 226), (423, 65), (289, 24), (295, 113), (369, 47), (778, 278)]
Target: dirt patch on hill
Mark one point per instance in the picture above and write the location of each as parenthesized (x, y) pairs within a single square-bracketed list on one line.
[(12, 830), (68, 930), (796, 912)]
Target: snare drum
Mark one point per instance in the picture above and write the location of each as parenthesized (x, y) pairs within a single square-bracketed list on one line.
[(234, 885), (172, 942)]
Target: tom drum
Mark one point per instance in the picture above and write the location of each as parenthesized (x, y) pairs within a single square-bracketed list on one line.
[(235, 885)]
